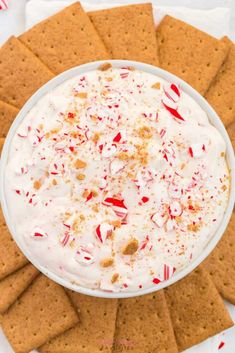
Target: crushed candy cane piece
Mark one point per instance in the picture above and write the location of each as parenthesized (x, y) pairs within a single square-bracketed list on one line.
[(38, 233), (172, 91), (103, 231), (66, 238), (117, 205), (159, 218), (196, 150), (156, 280), (84, 255), (221, 345), (118, 137), (116, 166), (4, 4)]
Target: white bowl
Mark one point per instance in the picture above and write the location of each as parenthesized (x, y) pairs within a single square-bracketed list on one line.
[(214, 120)]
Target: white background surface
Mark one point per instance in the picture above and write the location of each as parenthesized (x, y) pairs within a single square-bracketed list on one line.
[(217, 22)]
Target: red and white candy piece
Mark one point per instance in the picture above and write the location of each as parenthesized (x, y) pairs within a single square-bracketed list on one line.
[(196, 150), (172, 95), (117, 205), (39, 233), (144, 243), (172, 91), (117, 137), (21, 170), (143, 177), (108, 150), (116, 166), (159, 218), (103, 183), (167, 271), (103, 231), (66, 239), (4, 4), (84, 255), (175, 209), (23, 131)]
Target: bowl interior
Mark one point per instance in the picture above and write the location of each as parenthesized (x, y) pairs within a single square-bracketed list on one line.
[(214, 119)]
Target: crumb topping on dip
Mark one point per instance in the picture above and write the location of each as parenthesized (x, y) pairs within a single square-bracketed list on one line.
[(116, 179)]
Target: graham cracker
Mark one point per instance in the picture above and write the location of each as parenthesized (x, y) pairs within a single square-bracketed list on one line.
[(21, 73), (94, 333), (221, 94), (13, 286), (231, 132), (65, 40), (220, 264), (7, 115), (41, 313), (189, 53), (196, 308), (144, 325), (2, 140), (11, 258), (128, 32)]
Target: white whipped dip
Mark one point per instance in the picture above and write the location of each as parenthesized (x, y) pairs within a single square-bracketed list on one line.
[(116, 180)]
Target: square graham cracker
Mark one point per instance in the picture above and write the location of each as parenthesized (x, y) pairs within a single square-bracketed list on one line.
[(42, 312), (95, 332), (144, 325), (189, 53), (13, 286), (221, 93), (21, 73), (11, 258), (128, 32), (220, 264), (65, 40), (196, 308), (7, 116)]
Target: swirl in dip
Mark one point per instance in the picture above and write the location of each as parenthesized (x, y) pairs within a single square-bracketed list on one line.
[(116, 180)]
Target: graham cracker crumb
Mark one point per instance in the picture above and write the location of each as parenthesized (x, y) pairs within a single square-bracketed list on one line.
[(79, 164), (156, 85), (131, 247), (80, 176), (116, 224), (96, 137), (37, 184), (107, 262), (145, 132), (115, 277), (82, 95), (54, 182), (85, 194), (193, 227), (104, 66)]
